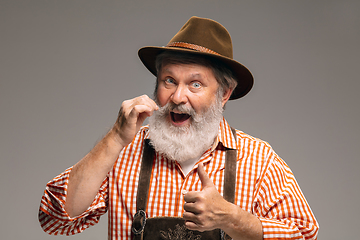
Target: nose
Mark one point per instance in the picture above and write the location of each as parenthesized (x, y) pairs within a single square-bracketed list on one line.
[(179, 96)]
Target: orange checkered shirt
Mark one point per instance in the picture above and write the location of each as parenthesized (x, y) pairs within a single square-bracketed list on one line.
[(265, 187)]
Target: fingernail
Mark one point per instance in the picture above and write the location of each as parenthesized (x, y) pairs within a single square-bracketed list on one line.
[(184, 191)]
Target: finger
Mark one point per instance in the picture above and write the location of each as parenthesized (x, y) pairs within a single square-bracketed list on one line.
[(190, 219), (192, 208), (188, 215), (138, 115), (141, 111), (204, 178), (144, 99), (128, 105), (195, 225), (191, 225), (191, 197), (139, 107), (131, 116)]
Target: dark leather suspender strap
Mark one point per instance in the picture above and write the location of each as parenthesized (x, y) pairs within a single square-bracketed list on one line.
[(145, 173), (139, 221), (229, 178), (230, 172)]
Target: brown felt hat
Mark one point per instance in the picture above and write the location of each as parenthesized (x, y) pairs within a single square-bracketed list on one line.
[(208, 38)]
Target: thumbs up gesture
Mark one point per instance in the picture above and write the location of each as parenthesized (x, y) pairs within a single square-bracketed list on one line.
[(206, 209)]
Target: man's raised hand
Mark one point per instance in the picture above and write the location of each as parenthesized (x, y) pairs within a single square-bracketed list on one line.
[(88, 174), (204, 210), (131, 116)]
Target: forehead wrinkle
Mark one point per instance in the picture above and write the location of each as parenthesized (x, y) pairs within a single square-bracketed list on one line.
[(167, 69)]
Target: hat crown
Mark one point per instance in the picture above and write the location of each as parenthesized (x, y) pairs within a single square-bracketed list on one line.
[(206, 33)]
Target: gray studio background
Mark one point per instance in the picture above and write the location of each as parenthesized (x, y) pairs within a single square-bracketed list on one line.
[(66, 66)]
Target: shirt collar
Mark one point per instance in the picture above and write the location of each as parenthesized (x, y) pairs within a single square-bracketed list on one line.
[(225, 136)]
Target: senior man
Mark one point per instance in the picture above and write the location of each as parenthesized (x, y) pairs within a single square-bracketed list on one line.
[(188, 174)]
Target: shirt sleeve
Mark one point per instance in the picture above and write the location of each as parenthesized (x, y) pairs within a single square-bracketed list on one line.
[(282, 207), (52, 215)]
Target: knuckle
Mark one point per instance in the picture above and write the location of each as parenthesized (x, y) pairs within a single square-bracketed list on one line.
[(201, 197), (126, 102), (201, 208), (125, 105), (143, 97)]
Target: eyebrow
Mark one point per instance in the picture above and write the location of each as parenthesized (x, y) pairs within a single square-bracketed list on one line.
[(196, 75)]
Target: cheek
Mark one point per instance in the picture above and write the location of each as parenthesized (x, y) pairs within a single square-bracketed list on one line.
[(202, 103), (162, 96), (199, 104)]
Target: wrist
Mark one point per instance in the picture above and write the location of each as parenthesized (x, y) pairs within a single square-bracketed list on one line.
[(113, 140), (231, 218), (242, 223)]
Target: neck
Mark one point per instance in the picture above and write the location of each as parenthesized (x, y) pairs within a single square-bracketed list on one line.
[(187, 166)]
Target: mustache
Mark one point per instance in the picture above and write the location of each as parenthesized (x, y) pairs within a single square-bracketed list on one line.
[(180, 108)]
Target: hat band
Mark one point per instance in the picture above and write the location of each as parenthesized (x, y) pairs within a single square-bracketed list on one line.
[(192, 46)]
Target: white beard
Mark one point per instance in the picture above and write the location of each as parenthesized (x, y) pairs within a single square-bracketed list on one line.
[(183, 143)]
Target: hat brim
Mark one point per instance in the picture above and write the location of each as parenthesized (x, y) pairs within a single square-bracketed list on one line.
[(243, 76)]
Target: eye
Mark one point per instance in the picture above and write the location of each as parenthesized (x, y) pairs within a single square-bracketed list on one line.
[(169, 81), (196, 85)]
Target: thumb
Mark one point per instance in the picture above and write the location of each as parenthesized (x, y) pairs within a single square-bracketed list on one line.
[(204, 178)]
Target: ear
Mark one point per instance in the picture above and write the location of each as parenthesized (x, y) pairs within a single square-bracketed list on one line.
[(226, 96)]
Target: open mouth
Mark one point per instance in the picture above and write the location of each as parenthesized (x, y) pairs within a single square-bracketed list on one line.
[(179, 117)]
